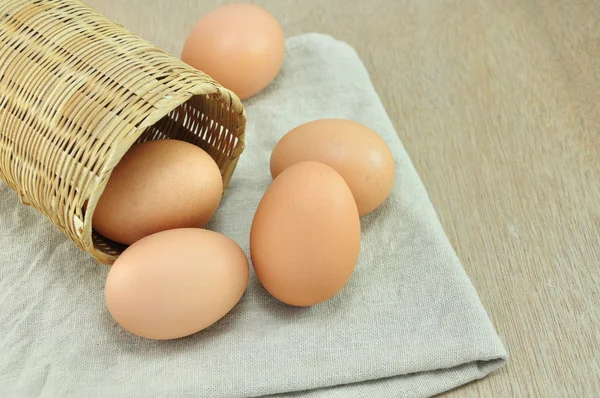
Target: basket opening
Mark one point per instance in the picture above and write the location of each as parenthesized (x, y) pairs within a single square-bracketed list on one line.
[(203, 120)]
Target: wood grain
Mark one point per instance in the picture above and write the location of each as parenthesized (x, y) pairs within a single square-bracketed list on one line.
[(497, 104)]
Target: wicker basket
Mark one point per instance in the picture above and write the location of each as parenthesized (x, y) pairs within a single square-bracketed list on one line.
[(77, 91)]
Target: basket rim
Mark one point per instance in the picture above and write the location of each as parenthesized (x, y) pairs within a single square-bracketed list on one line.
[(161, 110)]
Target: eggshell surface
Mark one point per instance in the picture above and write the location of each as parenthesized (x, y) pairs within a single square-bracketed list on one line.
[(176, 283), (241, 46), (305, 236), (355, 151), (158, 185)]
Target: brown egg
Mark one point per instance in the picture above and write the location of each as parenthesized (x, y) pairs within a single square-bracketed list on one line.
[(355, 151), (305, 237), (158, 185), (239, 45), (176, 283)]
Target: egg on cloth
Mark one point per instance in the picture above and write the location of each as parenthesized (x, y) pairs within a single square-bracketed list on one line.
[(355, 151), (241, 46), (305, 236), (158, 185), (176, 283)]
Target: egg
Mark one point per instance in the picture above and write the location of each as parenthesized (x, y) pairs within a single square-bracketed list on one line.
[(176, 283), (305, 235), (355, 151), (158, 185), (241, 46)]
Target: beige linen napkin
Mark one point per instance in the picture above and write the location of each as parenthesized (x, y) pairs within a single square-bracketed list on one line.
[(409, 323)]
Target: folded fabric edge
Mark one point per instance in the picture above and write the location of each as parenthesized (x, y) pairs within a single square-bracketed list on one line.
[(418, 384), (300, 40)]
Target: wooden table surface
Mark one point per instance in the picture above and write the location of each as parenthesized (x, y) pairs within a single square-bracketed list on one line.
[(497, 102)]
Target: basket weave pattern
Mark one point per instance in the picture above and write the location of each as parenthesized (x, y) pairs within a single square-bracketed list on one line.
[(77, 91)]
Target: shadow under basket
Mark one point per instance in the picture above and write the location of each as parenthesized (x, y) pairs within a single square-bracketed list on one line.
[(77, 91)]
